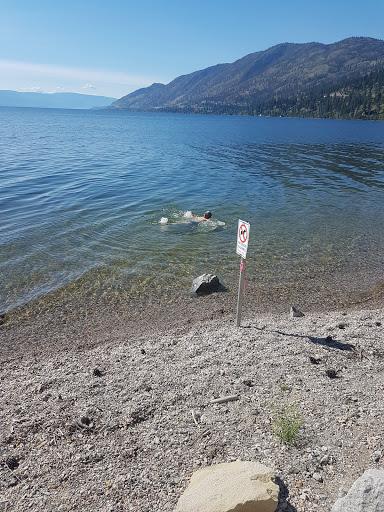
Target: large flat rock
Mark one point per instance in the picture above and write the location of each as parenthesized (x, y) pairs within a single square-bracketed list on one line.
[(230, 487)]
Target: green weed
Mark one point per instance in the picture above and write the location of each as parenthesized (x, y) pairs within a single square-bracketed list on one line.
[(286, 424)]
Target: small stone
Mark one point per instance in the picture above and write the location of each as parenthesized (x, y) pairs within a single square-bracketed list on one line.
[(13, 482), (326, 459), (296, 313), (314, 360), (377, 455), (317, 477), (332, 374), (196, 415), (85, 422), (142, 350), (351, 399), (248, 382), (139, 415), (378, 324), (97, 373), (12, 463), (44, 386), (293, 470)]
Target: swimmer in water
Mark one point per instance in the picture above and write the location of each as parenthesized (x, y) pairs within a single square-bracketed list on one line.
[(196, 218), (189, 217)]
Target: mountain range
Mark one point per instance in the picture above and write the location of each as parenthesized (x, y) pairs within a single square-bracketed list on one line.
[(52, 100), (342, 79)]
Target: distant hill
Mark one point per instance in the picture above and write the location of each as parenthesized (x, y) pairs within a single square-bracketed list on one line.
[(343, 79), (52, 100)]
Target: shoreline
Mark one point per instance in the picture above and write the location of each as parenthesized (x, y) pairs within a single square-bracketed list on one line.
[(223, 114), (65, 314), (138, 389)]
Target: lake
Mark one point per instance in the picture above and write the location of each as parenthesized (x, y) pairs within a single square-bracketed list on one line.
[(82, 193)]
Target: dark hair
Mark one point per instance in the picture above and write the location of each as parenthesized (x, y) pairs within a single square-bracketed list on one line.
[(207, 215)]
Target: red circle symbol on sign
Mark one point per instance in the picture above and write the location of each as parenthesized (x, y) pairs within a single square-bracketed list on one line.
[(243, 233)]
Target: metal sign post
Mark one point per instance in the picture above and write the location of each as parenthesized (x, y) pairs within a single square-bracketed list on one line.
[(240, 292), (241, 249)]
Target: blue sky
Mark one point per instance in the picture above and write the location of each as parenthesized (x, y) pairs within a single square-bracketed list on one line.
[(113, 47)]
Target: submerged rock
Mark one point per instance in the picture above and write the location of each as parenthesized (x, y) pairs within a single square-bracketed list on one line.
[(241, 486), (205, 284), (365, 495)]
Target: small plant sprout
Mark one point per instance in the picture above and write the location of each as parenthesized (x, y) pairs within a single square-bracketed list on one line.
[(286, 424)]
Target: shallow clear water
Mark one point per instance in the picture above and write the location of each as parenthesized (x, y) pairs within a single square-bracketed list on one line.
[(81, 194)]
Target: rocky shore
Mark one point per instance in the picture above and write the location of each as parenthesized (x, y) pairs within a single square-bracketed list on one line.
[(103, 413)]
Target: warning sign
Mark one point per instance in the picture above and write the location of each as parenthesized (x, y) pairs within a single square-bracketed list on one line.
[(242, 238)]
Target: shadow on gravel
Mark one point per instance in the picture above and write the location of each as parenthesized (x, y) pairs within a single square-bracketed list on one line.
[(284, 505), (328, 342), (331, 343)]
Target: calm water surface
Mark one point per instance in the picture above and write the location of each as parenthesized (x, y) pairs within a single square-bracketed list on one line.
[(81, 194)]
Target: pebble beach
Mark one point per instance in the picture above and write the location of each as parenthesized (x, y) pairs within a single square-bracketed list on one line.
[(114, 410)]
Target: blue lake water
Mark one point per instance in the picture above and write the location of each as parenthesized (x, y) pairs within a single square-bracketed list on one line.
[(81, 194)]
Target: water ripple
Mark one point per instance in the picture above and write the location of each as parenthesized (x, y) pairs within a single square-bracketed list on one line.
[(81, 193)]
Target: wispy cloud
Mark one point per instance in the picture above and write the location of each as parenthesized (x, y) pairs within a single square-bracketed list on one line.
[(82, 74), (30, 89), (88, 87)]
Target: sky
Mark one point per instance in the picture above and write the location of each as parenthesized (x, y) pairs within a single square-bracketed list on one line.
[(114, 47)]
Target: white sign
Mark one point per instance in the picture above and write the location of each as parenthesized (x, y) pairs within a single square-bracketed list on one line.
[(242, 238)]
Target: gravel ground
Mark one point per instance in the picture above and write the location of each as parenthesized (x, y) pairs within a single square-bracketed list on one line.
[(108, 426)]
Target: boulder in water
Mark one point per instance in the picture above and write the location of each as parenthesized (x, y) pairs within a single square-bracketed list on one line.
[(205, 284)]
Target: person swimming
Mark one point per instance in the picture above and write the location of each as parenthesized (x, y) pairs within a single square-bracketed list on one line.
[(196, 218), (189, 217)]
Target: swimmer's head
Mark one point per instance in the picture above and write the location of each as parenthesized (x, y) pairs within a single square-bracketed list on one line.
[(207, 215)]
